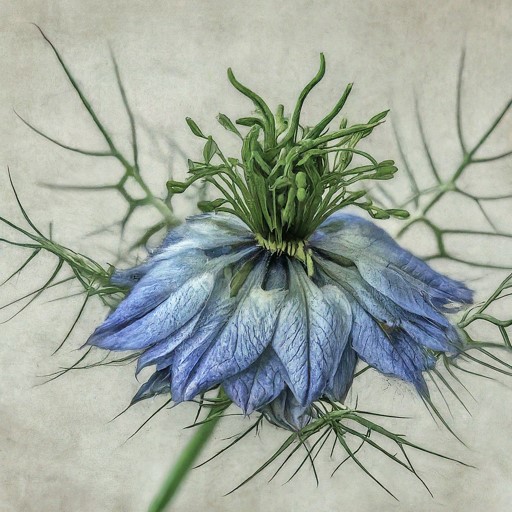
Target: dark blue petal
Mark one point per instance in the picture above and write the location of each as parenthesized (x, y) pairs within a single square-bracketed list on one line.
[(240, 342), (311, 335), (276, 277), (286, 412), (392, 352), (257, 385), (162, 321), (390, 269), (157, 384), (338, 388), (432, 335)]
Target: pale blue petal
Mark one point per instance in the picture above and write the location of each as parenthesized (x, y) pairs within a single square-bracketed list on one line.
[(159, 281), (160, 352), (434, 331), (187, 355), (311, 335), (385, 265), (257, 385), (209, 231), (185, 247), (162, 321), (378, 305), (128, 278), (156, 306)]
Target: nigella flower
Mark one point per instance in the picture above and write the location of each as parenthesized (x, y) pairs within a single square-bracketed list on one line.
[(277, 294), (212, 307)]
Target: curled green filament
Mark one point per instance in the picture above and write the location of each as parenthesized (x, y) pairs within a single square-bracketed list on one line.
[(289, 178)]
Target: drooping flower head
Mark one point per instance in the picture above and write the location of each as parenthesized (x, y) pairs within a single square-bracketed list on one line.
[(274, 293)]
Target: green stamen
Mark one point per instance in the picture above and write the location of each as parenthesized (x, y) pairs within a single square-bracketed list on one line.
[(294, 248), (290, 178)]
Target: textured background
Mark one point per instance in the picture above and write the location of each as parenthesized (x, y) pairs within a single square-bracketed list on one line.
[(58, 450)]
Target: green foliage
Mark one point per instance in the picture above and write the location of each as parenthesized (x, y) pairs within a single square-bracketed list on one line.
[(344, 427), (131, 177), (423, 201), (70, 266)]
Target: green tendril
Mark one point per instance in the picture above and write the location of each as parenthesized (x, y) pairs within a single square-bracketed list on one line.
[(424, 200), (284, 187), (131, 178)]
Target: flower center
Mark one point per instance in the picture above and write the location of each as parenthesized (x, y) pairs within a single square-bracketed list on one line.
[(294, 248)]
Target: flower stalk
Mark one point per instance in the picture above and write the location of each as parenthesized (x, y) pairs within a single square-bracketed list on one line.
[(188, 456)]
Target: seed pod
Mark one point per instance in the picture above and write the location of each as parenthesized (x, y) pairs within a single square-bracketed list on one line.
[(301, 179), (380, 214), (301, 194), (399, 214)]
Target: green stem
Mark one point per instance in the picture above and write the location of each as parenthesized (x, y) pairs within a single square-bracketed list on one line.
[(185, 461)]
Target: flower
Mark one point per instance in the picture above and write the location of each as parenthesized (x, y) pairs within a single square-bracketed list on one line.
[(274, 294), (214, 306)]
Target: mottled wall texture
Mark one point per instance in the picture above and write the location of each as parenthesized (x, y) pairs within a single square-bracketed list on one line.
[(58, 449)]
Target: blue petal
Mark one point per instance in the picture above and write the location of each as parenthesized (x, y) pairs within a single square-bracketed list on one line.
[(257, 385), (286, 412), (390, 269), (161, 278), (276, 278), (187, 355), (311, 335), (240, 342), (342, 380), (209, 231), (159, 353), (349, 279), (432, 335), (162, 321), (184, 247), (392, 353), (157, 384), (434, 331)]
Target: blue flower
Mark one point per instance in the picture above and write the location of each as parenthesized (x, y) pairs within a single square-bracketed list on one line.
[(277, 330), (277, 295)]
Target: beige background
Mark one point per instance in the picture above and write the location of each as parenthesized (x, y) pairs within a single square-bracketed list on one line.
[(58, 451)]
